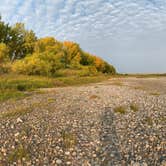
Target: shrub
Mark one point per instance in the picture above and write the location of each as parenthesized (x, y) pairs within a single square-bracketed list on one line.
[(31, 65), (4, 53), (5, 68), (120, 109), (134, 107)]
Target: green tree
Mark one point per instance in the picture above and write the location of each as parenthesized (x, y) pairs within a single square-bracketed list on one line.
[(5, 30), (22, 41)]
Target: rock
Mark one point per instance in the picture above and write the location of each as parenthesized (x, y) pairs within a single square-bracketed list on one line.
[(144, 164), (67, 153), (136, 164), (58, 161), (19, 120), (68, 163), (17, 134)]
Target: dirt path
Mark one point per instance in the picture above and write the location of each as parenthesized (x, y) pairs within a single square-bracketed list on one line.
[(118, 122)]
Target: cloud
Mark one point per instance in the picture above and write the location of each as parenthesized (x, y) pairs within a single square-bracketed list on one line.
[(100, 26)]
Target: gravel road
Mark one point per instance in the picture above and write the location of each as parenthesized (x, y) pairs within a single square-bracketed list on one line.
[(119, 122)]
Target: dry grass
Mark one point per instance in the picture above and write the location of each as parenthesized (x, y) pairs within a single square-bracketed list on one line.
[(69, 139), (117, 83), (15, 112), (19, 153), (149, 121), (120, 109), (155, 94), (134, 107)]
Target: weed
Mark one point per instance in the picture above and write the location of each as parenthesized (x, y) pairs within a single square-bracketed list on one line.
[(149, 121), (15, 113), (18, 154), (134, 107), (69, 139), (120, 109), (155, 94)]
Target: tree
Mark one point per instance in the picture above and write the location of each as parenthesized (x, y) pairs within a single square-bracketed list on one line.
[(19, 40), (4, 32), (44, 44), (22, 41), (72, 54), (87, 59)]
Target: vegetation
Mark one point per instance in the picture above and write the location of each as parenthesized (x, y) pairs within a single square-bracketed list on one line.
[(69, 139), (120, 109), (16, 86), (15, 113), (19, 153), (22, 53), (134, 107)]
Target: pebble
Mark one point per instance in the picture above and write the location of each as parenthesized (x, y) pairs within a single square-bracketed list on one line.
[(77, 131), (58, 161)]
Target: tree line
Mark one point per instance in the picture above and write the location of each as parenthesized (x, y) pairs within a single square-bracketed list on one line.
[(23, 53)]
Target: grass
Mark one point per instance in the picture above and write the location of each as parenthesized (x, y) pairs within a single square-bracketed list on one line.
[(155, 94), (15, 86), (18, 154), (15, 112), (142, 75), (69, 139), (149, 121), (117, 83), (120, 109), (134, 107)]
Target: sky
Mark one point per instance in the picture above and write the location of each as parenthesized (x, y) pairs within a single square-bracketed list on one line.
[(130, 34)]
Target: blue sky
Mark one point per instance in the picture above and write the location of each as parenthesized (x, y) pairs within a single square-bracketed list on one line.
[(130, 34)]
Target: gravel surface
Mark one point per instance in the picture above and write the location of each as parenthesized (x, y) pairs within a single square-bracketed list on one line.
[(118, 122)]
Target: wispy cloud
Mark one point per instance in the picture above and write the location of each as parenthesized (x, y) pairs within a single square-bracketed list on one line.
[(100, 26)]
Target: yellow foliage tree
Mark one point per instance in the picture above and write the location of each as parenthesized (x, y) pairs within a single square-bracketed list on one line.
[(72, 55), (44, 43)]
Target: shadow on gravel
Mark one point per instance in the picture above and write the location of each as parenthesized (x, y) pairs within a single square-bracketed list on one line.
[(110, 155)]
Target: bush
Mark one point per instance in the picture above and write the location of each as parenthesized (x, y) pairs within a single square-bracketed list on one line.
[(4, 59), (31, 65), (5, 68), (4, 53)]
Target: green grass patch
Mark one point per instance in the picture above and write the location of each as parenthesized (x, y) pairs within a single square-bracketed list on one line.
[(15, 86), (120, 109)]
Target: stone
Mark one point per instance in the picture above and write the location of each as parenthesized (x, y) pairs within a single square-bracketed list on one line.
[(58, 161)]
